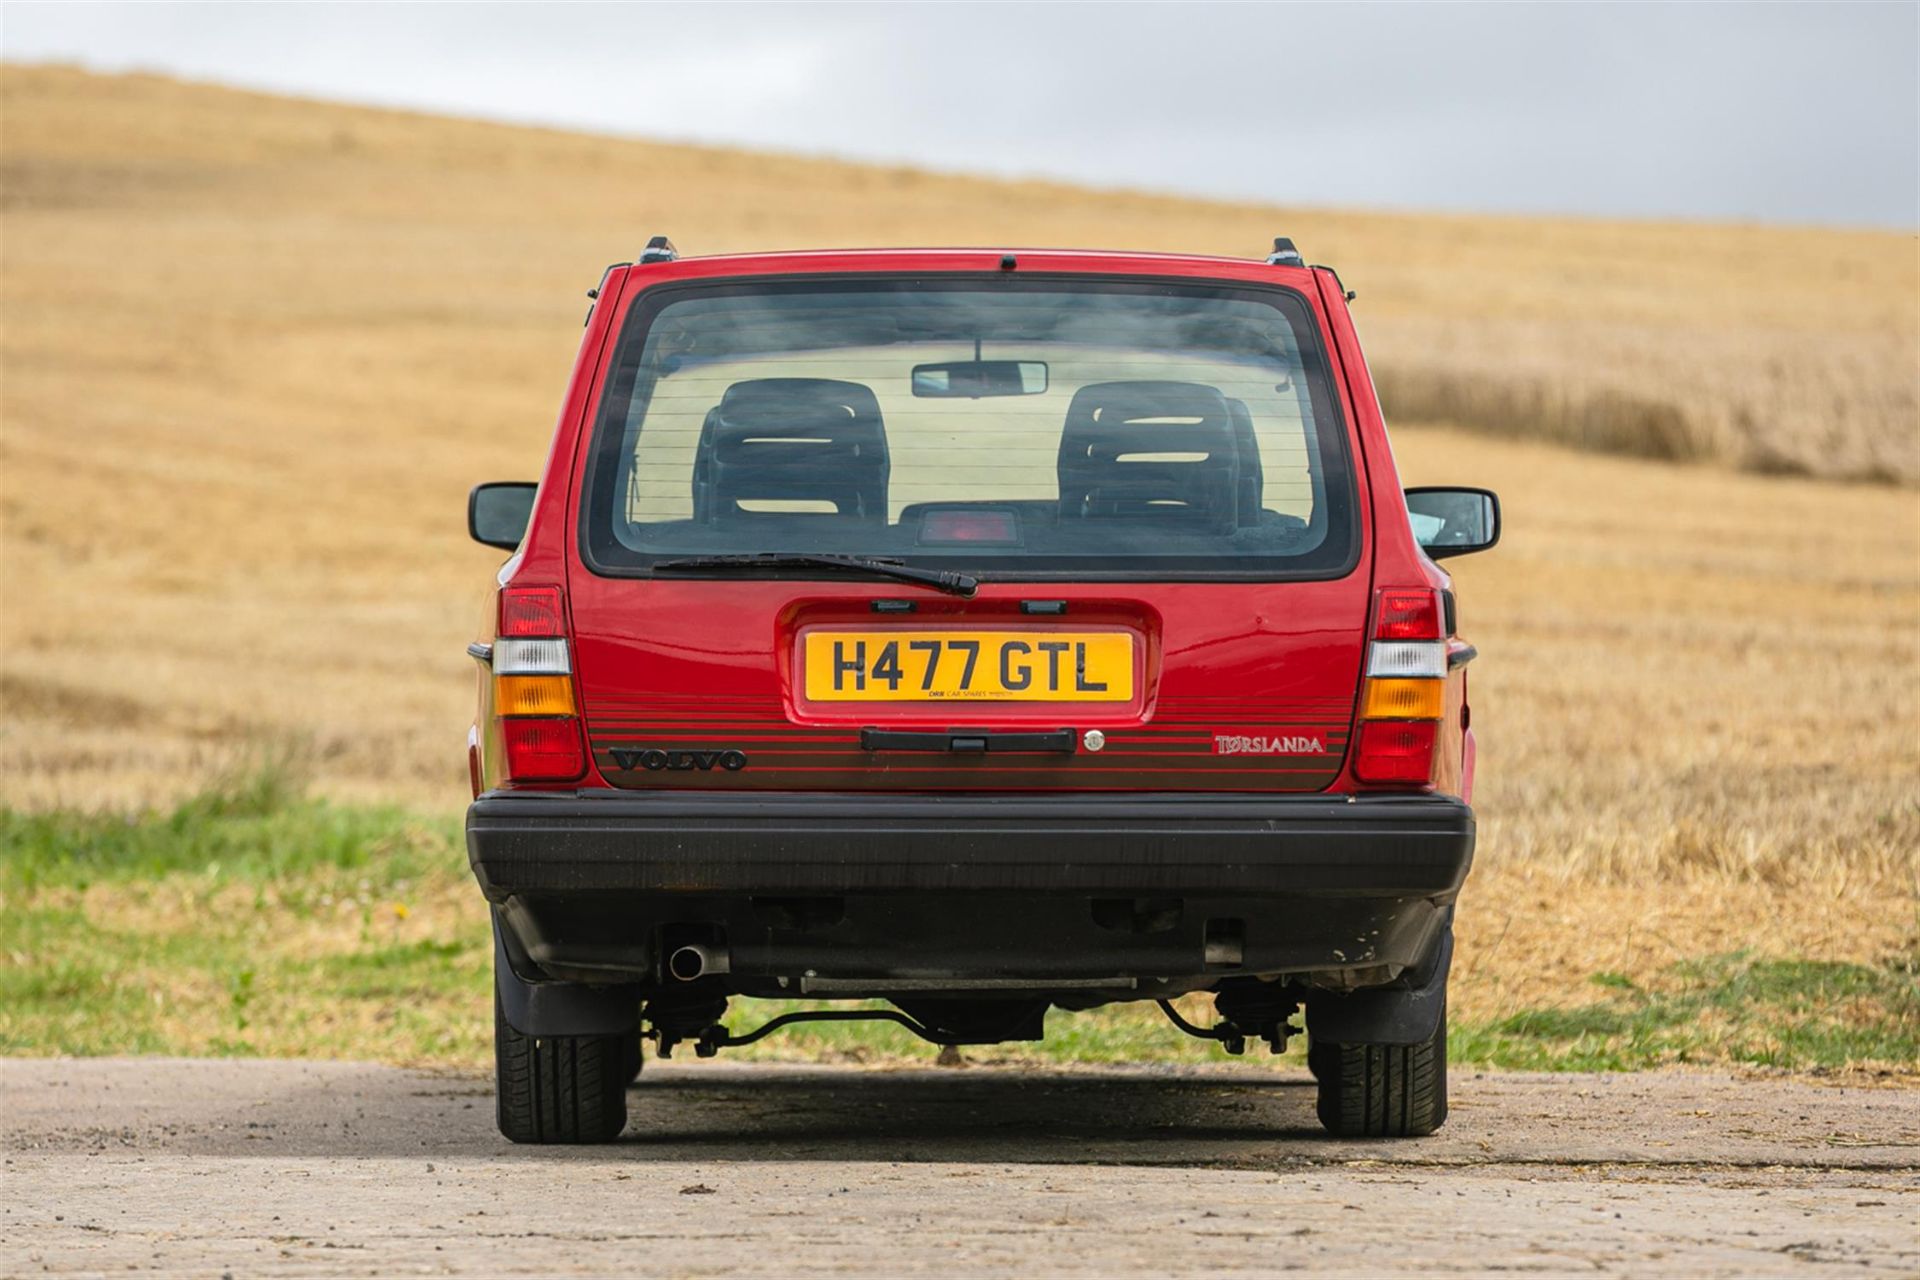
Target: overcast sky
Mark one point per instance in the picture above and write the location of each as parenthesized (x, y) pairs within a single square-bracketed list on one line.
[(1773, 112)]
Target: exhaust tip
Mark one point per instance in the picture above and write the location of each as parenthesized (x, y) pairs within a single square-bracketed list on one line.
[(695, 961)]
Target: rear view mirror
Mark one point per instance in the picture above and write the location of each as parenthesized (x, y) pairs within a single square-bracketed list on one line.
[(497, 514), (973, 379), (1454, 522)]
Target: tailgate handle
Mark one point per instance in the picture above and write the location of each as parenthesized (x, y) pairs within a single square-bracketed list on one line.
[(966, 741)]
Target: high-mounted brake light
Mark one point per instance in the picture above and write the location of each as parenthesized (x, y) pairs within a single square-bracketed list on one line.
[(1406, 692), (533, 687)]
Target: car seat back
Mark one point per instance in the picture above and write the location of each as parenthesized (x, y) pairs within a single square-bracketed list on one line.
[(1150, 449), (787, 440)]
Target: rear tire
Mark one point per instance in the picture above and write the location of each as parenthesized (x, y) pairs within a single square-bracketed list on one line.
[(553, 1089), (1382, 1090)]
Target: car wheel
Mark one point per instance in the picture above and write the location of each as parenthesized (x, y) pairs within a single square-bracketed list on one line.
[(560, 1088), (1382, 1090)]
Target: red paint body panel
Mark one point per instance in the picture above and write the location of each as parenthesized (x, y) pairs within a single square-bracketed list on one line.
[(708, 664)]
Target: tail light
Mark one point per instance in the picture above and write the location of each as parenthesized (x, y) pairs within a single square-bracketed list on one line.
[(542, 748), (533, 687), (1407, 615), (1405, 694), (1396, 751), (532, 612)]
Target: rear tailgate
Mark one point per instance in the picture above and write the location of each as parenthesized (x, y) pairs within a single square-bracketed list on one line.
[(783, 685), (1180, 492)]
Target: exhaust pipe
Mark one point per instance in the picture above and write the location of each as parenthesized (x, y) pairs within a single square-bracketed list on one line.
[(697, 961)]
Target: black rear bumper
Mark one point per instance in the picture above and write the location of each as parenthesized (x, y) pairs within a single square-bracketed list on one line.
[(846, 844), (1114, 896)]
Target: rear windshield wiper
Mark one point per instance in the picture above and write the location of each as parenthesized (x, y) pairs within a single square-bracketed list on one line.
[(959, 584)]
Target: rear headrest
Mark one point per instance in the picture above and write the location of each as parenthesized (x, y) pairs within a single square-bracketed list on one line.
[(1113, 404), (811, 402), (792, 439), (1160, 449)]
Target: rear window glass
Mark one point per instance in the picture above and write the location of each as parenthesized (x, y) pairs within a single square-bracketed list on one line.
[(1021, 426)]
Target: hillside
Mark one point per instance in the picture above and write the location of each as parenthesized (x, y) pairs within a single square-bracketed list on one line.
[(1776, 349)]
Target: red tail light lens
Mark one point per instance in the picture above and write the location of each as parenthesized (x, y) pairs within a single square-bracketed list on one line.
[(543, 749), (1407, 615), (531, 611), (1395, 751)]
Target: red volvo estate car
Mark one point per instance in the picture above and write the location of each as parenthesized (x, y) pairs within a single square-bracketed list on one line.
[(983, 633)]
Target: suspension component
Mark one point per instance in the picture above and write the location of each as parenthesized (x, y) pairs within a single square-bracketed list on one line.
[(1269, 1024), (715, 1037)]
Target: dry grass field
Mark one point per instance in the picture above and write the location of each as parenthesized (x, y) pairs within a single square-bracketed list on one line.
[(255, 350)]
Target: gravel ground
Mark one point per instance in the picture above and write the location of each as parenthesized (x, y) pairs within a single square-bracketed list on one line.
[(249, 1168)]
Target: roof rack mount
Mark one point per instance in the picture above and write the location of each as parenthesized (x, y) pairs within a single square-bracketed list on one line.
[(660, 249)]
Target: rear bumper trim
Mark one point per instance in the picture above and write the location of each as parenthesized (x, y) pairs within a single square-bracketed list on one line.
[(716, 842)]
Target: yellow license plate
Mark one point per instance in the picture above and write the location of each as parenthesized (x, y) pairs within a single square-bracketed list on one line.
[(969, 666)]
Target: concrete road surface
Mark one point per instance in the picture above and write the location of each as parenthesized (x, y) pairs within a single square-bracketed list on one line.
[(294, 1168)]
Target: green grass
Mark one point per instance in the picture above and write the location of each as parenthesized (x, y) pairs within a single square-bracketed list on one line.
[(1794, 1014), (252, 919), (248, 920), (256, 826)]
